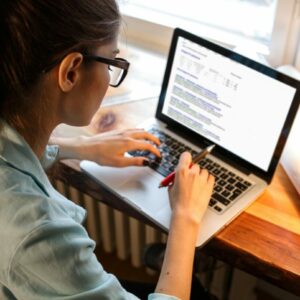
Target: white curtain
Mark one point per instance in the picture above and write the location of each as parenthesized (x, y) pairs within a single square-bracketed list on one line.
[(292, 48)]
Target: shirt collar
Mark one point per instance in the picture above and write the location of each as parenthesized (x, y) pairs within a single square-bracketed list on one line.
[(16, 152)]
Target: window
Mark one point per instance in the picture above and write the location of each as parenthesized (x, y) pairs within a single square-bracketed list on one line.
[(251, 18), (263, 26)]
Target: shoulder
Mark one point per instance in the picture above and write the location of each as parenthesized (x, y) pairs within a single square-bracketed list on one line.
[(25, 210)]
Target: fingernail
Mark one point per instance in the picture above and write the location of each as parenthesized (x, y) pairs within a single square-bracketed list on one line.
[(146, 162)]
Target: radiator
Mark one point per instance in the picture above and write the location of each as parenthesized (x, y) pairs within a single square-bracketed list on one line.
[(111, 229)]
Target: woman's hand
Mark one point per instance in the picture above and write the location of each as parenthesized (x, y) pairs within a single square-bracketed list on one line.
[(108, 148), (189, 196), (191, 191)]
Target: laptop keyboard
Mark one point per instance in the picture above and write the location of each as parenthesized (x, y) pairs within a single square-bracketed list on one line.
[(229, 187)]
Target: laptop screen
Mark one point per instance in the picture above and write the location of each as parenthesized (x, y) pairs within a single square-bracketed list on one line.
[(229, 103)]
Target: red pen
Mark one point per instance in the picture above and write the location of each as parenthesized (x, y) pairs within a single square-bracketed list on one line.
[(170, 178)]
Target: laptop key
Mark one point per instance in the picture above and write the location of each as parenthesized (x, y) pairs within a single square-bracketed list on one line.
[(145, 153), (247, 183), (168, 158), (225, 193), (216, 165), (233, 197), (220, 198), (231, 180), (229, 187), (216, 172), (224, 175), (218, 209), (241, 186), (202, 164), (152, 156), (154, 164), (209, 167), (166, 165), (162, 171), (218, 188), (171, 169), (222, 182), (237, 191), (212, 202)]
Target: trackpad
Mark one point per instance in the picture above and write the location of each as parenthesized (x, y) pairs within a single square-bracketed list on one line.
[(142, 189)]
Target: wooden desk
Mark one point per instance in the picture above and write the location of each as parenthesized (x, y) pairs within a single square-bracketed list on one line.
[(263, 241)]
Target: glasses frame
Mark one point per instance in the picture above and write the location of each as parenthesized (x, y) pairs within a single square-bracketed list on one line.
[(116, 62)]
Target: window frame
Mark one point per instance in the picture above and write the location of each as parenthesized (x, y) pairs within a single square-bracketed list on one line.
[(283, 42)]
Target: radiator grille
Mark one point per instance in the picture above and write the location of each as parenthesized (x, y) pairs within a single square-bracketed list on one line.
[(111, 229)]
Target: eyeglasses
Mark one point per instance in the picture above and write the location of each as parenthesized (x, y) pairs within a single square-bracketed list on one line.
[(118, 68)]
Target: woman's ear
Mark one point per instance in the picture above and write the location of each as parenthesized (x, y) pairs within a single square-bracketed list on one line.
[(68, 71)]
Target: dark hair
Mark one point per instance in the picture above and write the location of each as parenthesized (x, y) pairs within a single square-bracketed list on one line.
[(36, 33)]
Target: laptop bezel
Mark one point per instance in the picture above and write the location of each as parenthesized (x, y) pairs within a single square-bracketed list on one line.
[(201, 141)]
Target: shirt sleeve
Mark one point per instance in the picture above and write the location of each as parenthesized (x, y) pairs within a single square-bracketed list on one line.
[(50, 156), (57, 261)]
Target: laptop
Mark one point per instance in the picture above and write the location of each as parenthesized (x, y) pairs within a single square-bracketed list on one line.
[(210, 95)]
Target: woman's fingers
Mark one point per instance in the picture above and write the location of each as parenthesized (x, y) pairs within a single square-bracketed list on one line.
[(207, 177), (211, 179), (184, 160), (204, 174), (142, 134), (143, 145)]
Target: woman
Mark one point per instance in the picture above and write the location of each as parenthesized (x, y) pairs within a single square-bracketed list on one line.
[(55, 66)]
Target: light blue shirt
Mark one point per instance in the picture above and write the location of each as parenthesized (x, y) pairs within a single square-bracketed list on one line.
[(45, 252)]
